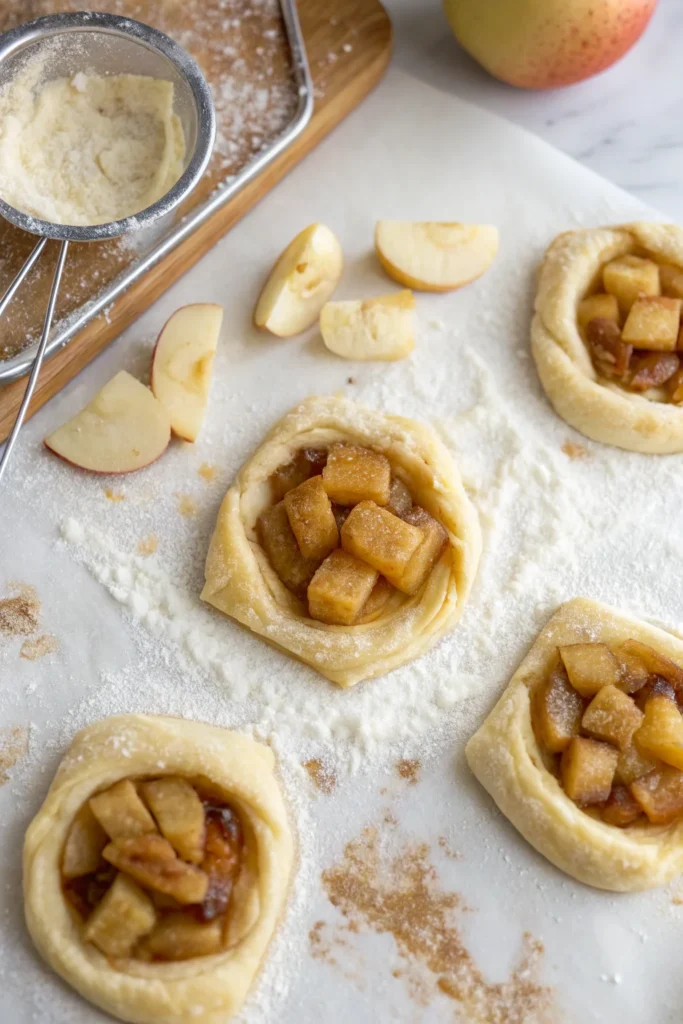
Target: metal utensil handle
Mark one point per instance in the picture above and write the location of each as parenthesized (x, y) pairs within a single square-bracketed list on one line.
[(38, 361)]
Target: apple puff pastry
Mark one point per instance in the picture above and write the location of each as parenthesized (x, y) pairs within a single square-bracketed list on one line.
[(606, 334), (157, 868), (347, 540), (583, 753)]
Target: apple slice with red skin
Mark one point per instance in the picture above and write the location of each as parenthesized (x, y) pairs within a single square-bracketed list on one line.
[(121, 430), (182, 365)]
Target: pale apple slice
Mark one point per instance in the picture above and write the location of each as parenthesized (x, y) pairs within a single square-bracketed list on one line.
[(300, 283), (434, 257), (381, 328), (122, 429), (182, 365)]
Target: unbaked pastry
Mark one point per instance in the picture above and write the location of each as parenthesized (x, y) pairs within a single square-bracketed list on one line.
[(234, 769), (507, 759), (241, 582), (596, 406)]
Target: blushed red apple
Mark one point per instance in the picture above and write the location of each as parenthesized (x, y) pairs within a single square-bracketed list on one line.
[(544, 44)]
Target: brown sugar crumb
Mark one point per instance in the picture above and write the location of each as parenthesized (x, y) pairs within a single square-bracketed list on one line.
[(574, 451), (115, 496), (32, 650), (187, 506), (148, 545), (409, 770), (401, 896), (321, 775), (19, 615), (13, 746), (350, 380), (448, 849), (207, 471)]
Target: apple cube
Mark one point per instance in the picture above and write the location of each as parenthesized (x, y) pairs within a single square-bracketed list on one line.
[(179, 813), (222, 859), (355, 474), (120, 920), (556, 710), (381, 328), (381, 539), (621, 808), (400, 498), (628, 278), (181, 937), (657, 664), (121, 812), (376, 603), (300, 283), (660, 794), (340, 589), (590, 666), (84, 844), (653, 370), (152, 862), (632, 765), (279, 543), (311, 518), (587, 770), (306, 463), (653, 323), (427, 554), (633, 674), (671, 280), (661, 733), (121, 430), (600, 307), (435, 256), (612, 716), (609, 353)]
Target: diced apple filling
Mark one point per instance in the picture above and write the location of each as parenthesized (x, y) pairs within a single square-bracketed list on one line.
[(653, 370), (597, 307), (279, 543), (373, 607), (588, 770), (660, 794), (400, 498), (179, 813), (381, 539), (123, 916), (612, 716), (427, 554), (354, 474), (671, 281), (653, 323), (84, 845), (557, 712), (628, 278), (340, 589), (621, 808), (590, 667), (306, 463), (311, 518), (152, 861), (661, 734), (121, 812), (179, 937), (610, 354)]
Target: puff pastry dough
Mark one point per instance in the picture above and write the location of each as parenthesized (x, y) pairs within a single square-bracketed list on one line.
[(241, 582), (596, 407), (209, 988), (508, 762)]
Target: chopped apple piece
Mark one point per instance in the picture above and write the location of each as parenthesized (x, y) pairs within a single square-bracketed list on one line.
[(671, 280), (222, 859), (152, 861), (182, 365), (300, 283), (656, 663), (122, 429), (588, 770), (179, 813), (84, 844), (597, 307), (400, 498), (590, 666), (628, 278), (375, 604), (279, 543), (340, 589), (381, 328), (181, 937), (653, 323), (632, 765), (660, 794), (428, 553), (653, 370), (381, 539), (556, 710), (613, 717), (306, 463), (432, 256), (354, 474), (633, 674), (121, 812), (609, 353), (310, 515), (124, 915), (675, 384), (655, 685), (661, 734), (621, 808)]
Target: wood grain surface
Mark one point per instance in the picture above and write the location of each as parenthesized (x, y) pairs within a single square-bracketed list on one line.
[(348, 44)]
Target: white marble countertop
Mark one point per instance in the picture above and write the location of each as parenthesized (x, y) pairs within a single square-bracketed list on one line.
[(625, 124)]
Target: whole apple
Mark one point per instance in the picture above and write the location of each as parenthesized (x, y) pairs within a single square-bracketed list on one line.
[(543, 44)]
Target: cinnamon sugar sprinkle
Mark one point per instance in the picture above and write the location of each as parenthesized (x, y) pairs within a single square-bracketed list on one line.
[(32, 650), (400, 895), (409, 770), (207, 471), (115, 496), (19, 615), (321, 775), (13, 746), (148, 545), (575, 451), (187, 506)]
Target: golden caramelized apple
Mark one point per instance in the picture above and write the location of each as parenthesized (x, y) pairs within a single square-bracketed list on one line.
[(354, 474), (311, 518), (628, 278), (123, 916), (557, 711), (400, 498), (633, 673), (306, 463), (621, 808), (152, 862), (653, 370), (222, 854), (84, 845), (279, 543), (661, 734), (590, 667), (610, 354), (181, 937), (612, 716), (600, 307), (179, 813), (374, 606), (660, 794), (587, 770), (428, 553), (121, 812), (340, 588), (381, 539), (671, 281), (655, 663), (632, 765), (653, 323)]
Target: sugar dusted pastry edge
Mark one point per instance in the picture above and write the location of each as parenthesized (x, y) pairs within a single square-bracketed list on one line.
[(506, 759)]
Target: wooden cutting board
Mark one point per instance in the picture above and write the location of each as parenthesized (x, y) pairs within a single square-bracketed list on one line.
[(242, 50)]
